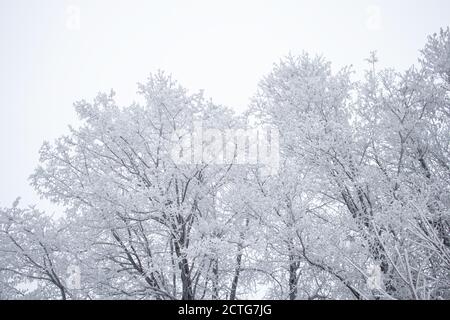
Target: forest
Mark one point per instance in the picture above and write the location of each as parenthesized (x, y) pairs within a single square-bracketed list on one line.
[(355, 206)]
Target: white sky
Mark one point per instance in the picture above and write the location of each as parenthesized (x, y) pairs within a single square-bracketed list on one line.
[(48, 60)]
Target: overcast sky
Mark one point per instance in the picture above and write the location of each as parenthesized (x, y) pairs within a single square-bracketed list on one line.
[(54, 52)]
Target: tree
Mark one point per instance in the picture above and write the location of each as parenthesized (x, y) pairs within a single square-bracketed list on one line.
[(143, 209), (367, 144), (32, 250)]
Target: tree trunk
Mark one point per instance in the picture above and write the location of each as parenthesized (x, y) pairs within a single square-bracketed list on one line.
[(186, 282)]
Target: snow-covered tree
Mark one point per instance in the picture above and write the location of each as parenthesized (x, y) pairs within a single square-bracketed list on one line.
[(358, 208)]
